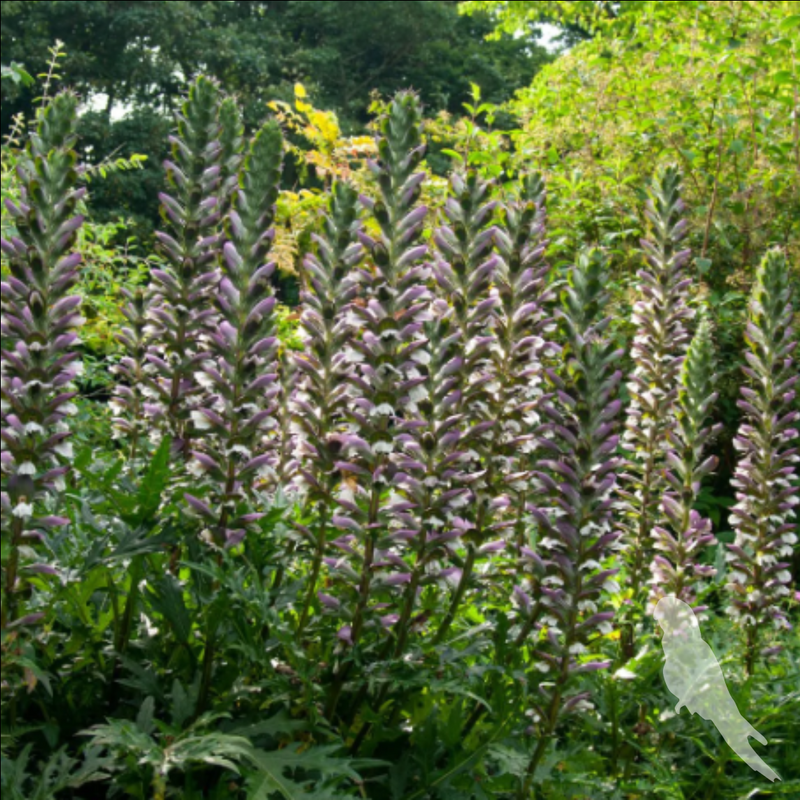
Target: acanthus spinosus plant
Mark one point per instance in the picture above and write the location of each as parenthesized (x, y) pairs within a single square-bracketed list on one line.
[(464, 265), (238, 421), (323, 393), (520, 322), (389, 352), (577, 506), (128, 404), (507, 411), (430, 487), (231, 154), (503, 408), (765, 481), (659, 347), (431, 479), (180, 306), (680, 542), (39, 340)]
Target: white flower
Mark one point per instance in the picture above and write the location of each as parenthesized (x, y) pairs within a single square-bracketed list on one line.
[(421, 357), (241, 450), (204, 380), (22, 511), (353, 356), (418, 394), (64, 449), (195, 468), (201, 421), (26, 468), (605, 628)]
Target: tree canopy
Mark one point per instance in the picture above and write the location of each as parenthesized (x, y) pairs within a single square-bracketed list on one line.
[(131, 59)]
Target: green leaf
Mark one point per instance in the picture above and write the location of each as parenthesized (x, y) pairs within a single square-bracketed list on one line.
[(273, 769), (280, 724), (144, 720), (148, 498), (737, 147), (783, 77), (453, 154), (456, 769), (790, 23), (183, 705), (17, 74), (703, 265), (166, 597)]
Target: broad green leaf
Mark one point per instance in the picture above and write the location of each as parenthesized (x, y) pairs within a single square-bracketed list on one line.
[(166, 597)]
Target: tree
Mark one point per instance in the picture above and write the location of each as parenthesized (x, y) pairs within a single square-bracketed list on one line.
[(131, 58), (578, 19)]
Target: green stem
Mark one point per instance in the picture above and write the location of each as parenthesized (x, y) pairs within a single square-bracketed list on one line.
[(316, 569), (9, 610), (363, 598), (458, 597)]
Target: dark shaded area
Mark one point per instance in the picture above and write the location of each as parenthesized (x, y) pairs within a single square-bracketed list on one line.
[(138, 53)]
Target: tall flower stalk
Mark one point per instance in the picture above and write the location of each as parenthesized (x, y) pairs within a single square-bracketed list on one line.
[(430, 490), (39, 361), (130, 397), (576, 524), (680, 543), (465, 265), (659, 347), (323, 391), (238, 421), (181, 302), (765, 480), (504, 408), (389, 351)]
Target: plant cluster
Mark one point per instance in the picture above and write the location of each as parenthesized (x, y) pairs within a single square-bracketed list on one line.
[(395, 562)]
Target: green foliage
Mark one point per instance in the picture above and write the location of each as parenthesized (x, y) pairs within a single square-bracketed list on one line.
[(581, 19), (16, 73), (126, 61), (708, 86), (22, 780), (152, 750)]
